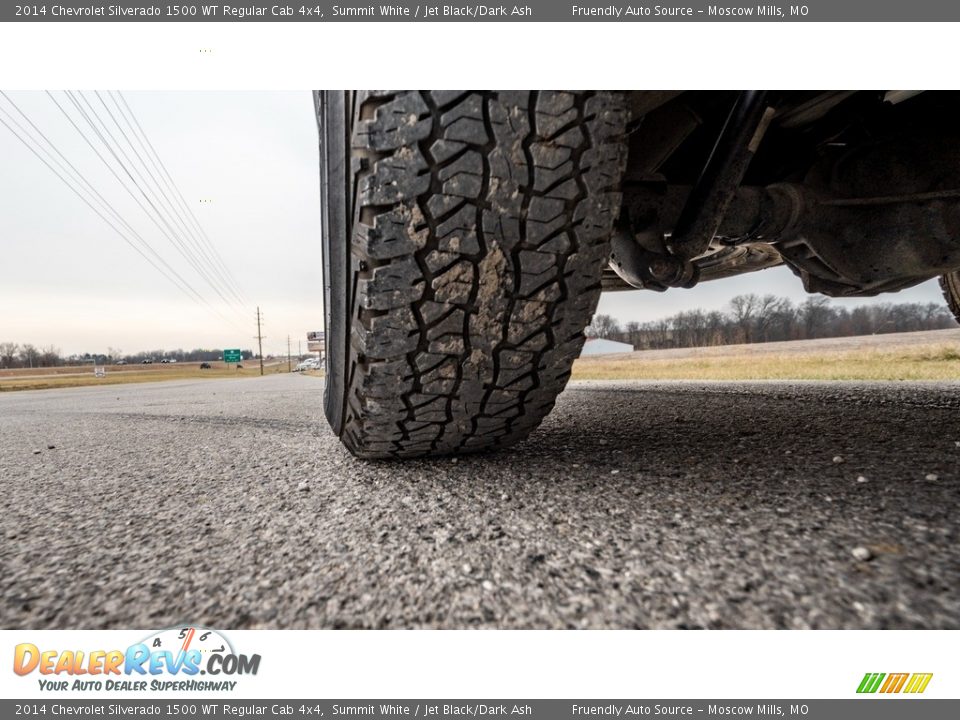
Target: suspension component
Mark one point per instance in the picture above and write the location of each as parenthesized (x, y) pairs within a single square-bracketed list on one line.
[(735, 147)]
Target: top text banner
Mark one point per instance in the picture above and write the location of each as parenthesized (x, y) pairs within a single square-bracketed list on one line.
[(531, 11)]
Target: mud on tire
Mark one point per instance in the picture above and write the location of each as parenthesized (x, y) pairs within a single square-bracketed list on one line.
[(464, 238)]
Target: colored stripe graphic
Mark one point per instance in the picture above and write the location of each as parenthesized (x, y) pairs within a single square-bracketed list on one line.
[(918, 682), (870, 682), (894, 682)]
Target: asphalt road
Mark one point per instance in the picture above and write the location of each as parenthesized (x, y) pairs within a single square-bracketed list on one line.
[(637, 505)]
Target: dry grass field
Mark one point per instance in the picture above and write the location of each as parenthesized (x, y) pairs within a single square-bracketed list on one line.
[(62, 377), (931, 355)]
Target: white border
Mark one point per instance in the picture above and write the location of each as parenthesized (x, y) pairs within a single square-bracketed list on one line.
[(544, 664), (278, 56)]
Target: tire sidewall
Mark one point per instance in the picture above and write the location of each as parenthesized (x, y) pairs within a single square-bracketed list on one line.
[(333, 113)]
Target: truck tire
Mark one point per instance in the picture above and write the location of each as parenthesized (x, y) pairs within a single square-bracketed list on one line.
[(464, 238), (950, 284)]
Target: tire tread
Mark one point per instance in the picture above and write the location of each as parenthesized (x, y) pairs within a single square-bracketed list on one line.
[(481, 227)]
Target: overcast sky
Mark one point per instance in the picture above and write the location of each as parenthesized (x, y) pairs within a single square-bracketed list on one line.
[(67, 279), (247, 165)]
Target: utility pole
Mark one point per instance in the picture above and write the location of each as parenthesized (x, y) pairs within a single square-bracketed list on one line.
[(288, 354), (259, 340)]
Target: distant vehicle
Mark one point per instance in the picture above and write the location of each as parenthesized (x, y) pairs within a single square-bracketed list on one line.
[(310, 364), (149, 361), (172, 360), (120, 362), (164, 361), (204, 366)]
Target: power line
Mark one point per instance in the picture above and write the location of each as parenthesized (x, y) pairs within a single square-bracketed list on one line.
[(172, 185), (79, 184), (218, 268), (100, 155), (86, 201), (167, 231), (79, 178), (168, 206)]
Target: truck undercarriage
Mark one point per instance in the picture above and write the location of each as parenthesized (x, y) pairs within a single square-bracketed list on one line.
[(857, 192)]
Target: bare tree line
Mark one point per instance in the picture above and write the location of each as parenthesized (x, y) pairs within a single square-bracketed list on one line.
[(26, 355), (755, 318), (748, 319), (14, 355)]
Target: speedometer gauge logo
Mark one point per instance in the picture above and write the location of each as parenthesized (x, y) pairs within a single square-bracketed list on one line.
[(182, 639)]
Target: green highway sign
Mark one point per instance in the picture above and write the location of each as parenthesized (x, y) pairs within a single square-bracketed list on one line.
[(232, 356)]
